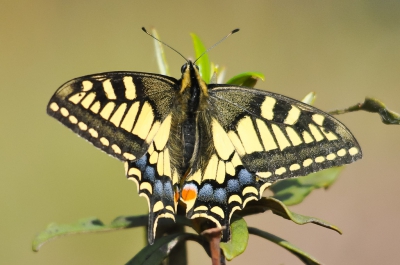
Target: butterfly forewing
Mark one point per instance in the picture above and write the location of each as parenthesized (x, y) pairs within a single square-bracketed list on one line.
[(119, 112), (278, 137)]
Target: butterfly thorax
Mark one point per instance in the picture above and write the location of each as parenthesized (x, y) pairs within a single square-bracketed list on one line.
[(193, 95)]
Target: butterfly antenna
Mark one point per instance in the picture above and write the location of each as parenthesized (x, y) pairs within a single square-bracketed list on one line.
[(230, 33), (145, 31)]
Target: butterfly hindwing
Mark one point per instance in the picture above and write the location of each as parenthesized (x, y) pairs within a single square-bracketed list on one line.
[(218, 183), (118, 112), (157, 178)]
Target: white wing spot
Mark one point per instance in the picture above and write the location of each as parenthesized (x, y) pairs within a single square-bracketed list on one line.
[(319, 159), (82, 126), (341, 152), (280, 171), (64, 112), (353, 151), (73, 119), (294, 167), (331, 157), (54, 107), (104, 141), (307, 162), (116, 149), (93, 133), (264, 175)]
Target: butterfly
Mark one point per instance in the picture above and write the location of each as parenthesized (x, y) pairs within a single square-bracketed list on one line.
[(214, 147)]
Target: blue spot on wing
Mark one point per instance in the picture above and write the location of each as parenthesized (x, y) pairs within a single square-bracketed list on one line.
[(245, 177), (158, 188), (168, 192), (220, 195), (206, 192), (233, 185), (141, 163), (149, 174)]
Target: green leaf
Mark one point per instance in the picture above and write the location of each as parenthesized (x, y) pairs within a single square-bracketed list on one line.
[(303, 256), (248, 79), (239, 238), (92, 225), (279, 208), (203, 62), (160, 54), (156, 253), (293, 191), (376, 106), (87, 225)]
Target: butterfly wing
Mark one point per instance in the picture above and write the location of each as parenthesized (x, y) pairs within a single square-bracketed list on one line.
[(250, 138), (128, 116), (118, 112)]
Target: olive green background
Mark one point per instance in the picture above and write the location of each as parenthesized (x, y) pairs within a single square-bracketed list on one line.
[(342, 50)]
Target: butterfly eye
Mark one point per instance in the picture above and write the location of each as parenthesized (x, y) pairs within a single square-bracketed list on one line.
[(183, 68), (197, 67)]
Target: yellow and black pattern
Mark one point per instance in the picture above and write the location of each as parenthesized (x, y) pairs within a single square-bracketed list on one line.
[(156, 178), (119, 112), (230, 143)]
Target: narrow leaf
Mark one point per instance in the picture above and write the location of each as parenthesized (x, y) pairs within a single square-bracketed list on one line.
[(239, 238), (203, 62), (303, 256), (156, 253), (93, 224), (293, 191), (160, 55), (278, 208), (87, 225), (248, 79), (376, 106)]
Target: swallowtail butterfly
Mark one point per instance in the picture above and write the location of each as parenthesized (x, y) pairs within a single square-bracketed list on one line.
[(214, 147)]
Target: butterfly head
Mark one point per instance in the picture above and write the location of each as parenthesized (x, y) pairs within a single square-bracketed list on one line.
[(191, 78)]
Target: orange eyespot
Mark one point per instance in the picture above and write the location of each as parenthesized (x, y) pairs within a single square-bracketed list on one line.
[(189, 192)]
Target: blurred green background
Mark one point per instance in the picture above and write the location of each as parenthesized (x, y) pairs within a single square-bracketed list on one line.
[(342, 50)]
